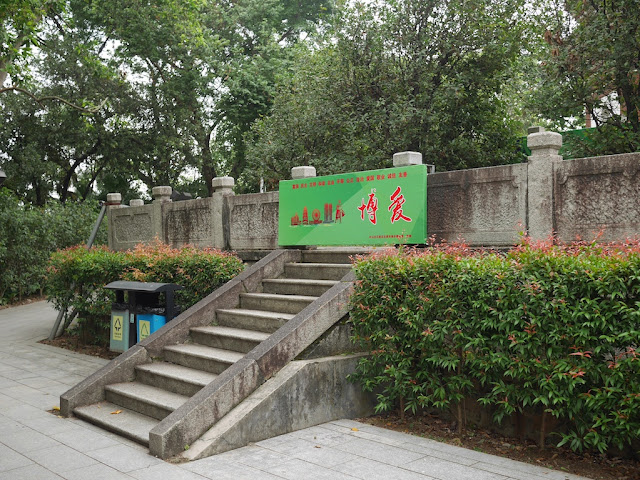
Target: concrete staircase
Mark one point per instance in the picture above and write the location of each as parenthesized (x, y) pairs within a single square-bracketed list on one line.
[(210, 358)]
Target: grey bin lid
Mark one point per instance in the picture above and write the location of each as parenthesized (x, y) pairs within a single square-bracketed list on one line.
[(148, 287)]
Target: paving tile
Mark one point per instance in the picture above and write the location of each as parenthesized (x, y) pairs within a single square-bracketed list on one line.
[(377, 434), (289, 446), (6, 402), (165, 471), (366, 469), (217, 470), (347, 423), (9, 425), (325, 456), (50, 424), (280, 439), (10, 459), (455, 457), (7, 382), (98, 471), (430, 447), (322, 436), (209, 464), (40, 400), (30, 472), (60, 459), (13, 373), (297, 469), (19, 411), (446, 470), (525, 471), (84, 440), (28, 440), (124, 458), (380, 452), (254, 456), (40, 383)]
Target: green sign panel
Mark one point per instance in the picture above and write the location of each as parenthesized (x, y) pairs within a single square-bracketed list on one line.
[(376, 207)]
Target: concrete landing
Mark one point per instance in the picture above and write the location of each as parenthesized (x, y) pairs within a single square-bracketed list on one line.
[(37, 445)]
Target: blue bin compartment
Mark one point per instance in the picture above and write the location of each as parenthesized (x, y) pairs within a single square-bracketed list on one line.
[(149, 323)]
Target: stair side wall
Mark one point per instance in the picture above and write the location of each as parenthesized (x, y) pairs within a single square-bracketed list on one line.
[(303, 394)]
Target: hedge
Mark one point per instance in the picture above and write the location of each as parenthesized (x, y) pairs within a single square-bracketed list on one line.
[(76, 278), (542, 330), (28, 236)]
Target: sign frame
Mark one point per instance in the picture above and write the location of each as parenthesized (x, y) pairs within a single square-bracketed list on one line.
[(374, 207)]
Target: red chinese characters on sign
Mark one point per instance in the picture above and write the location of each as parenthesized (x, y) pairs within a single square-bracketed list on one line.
[(371, 207), (397, 200)]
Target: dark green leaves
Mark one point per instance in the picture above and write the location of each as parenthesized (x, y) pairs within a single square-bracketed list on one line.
[(543, 330)]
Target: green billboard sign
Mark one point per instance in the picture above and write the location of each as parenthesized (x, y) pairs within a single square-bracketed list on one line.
[(375, 207)]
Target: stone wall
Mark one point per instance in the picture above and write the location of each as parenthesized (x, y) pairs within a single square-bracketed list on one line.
[(133, 225), (253, 221), (483, 206), (189, 222), (598, 194)]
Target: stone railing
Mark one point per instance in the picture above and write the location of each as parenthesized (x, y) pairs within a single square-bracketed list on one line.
[(484, 206)]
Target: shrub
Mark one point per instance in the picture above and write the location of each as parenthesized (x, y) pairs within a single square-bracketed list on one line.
[(76, 277), (28, 236), (544, 329)]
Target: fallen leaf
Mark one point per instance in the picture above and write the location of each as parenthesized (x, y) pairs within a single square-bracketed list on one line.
[(318, 446), (116, 412), (56, 409), (354, 429)]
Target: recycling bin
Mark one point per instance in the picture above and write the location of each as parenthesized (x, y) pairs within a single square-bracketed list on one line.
[(148, 323), (140, 309), (120, 327)]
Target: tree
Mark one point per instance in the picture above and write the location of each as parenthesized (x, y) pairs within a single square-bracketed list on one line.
[(399, 75), (56, 148), (593, 67), (184, 81), (20, 22)]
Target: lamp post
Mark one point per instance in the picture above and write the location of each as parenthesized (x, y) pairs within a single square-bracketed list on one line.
[(3, 177)]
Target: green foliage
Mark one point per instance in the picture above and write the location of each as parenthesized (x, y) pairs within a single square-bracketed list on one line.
[(20, 22), (393, 76), (605, 140), (28, 236), (592, 67), (179, 83), (543, 329), (76, 277)]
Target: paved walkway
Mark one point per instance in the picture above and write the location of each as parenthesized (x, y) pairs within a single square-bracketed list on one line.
[(36, 445)]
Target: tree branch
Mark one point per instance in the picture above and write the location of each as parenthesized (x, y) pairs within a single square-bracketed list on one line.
[(41, 100)]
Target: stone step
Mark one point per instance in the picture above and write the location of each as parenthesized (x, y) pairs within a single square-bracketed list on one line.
[(201, 357), (228, 338), (145, 399), (273, 302), (316, 271), (333, 255), (258, 320), (297, 286), (127, 423), (173, 378)]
